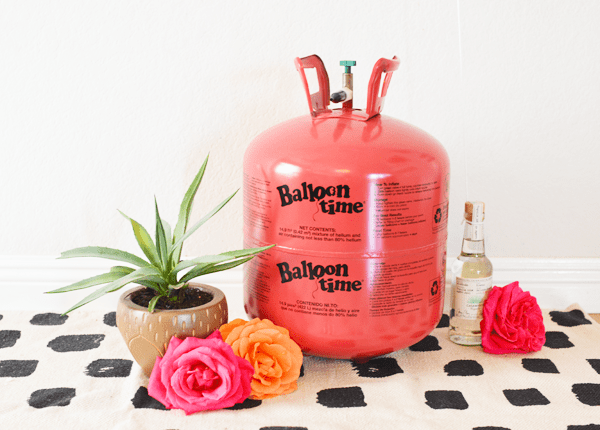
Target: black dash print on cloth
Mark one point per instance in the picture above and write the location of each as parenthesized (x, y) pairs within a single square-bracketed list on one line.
[(1, 317), (347, 397), (51, 397), (110, 319), (246, 404), (377, 367), (585, 427), (17, 368), (569, 319), (444, 321), (109, 368), (539, 365), (490, 428), (76, 342), (588, 394), (8, 338), (283, 428), (526, 397), (595, 363), (445, 399), (142, 400), (430, 343), (48, 319), (463, 368), (301, 371), (557, 340)]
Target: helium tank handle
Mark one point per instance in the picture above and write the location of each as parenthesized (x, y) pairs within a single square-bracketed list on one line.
[(317, 102), (374, 99)]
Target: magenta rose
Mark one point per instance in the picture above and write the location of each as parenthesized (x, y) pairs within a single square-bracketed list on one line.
[(512, 321), (200, 374)]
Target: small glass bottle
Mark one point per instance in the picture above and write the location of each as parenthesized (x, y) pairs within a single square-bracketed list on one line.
[(471, 279)]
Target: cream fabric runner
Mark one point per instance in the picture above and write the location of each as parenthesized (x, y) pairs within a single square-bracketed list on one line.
[(73, 373)]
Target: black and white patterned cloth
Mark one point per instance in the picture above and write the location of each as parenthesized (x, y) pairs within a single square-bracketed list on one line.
[(75, 372)]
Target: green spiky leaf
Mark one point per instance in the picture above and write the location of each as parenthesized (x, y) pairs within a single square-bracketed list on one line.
[(114, 274), (162, 248), (206, 217), (144, 241), (122, 269), (103, 252), (157, 283), (137, 275), (225, 256), (184, 213), (168, 233), (153, 303), (203, 269), (153, 286)]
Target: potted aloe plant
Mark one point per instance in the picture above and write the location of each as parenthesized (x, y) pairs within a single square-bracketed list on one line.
[(165, 303)]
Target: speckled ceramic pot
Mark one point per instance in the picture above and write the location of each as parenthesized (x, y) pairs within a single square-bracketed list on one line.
[(147, 334)]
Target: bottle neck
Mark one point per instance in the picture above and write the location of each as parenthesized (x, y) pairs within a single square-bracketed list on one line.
[(473, 243)]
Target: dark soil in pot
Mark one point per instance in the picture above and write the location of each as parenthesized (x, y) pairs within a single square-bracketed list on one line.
[(190, 298)]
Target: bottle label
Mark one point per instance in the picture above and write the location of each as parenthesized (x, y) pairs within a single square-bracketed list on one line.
[(469, 295), (473, 231)]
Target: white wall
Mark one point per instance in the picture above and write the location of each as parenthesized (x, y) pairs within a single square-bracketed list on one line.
[(104, 104)]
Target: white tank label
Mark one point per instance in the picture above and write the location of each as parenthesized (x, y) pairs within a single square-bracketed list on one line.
[(469, 295), (400, 208)]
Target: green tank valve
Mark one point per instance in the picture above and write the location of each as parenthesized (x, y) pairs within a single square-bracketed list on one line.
[(347, 65), (345, 94)]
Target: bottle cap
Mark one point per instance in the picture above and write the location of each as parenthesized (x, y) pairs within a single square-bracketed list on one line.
[(475, 211)]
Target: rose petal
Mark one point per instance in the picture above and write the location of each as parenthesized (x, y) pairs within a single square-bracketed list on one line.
[(512, 321), (243, 345), (226, 329), (201, 354), (262, 336), (155, 387), (200, 374), (279, 352), (215, 335), (234, 334), (275, 358), (220, 390), (174, 342)]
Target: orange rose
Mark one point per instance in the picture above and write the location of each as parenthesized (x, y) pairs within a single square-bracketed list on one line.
[(276, 358)]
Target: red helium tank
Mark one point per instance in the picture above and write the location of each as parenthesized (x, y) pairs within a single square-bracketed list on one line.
[(357, 203)]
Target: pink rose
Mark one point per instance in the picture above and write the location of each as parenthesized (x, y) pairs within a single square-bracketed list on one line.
[(512, 321), (200, 374)]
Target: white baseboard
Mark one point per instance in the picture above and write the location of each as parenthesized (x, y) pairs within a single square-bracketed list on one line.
[(556, 283), (25, 279)]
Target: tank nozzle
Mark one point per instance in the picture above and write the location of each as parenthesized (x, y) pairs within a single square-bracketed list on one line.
[(339, 96), (345, 94)]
